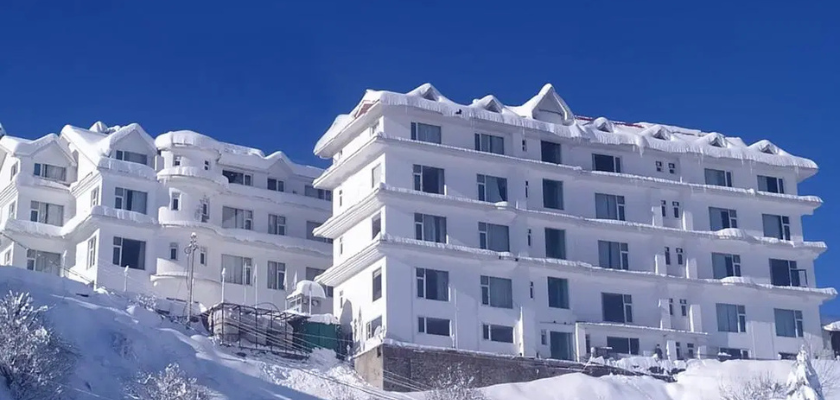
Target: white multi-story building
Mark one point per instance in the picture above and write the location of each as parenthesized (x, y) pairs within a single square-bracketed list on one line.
[(528, 230), (88, 203)]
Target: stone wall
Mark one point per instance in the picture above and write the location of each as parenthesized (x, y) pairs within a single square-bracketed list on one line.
[(390, 366)]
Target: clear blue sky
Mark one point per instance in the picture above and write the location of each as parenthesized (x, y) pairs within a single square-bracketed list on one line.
[(273, 75)]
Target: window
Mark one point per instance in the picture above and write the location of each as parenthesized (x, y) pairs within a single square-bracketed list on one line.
[(493, 237), (310, 191), (7, 258), (555, 243), (13, 171), (433, 326), (489, 143), (776, 226), (237, 269), (176, 161), (176, 201), (617, 307), (91, 255), (496, 292), (671, 306), (788, 323), (132, 200), (275, 185), (12, 210), (239, 178), (202, 256), (676, 206), (721, 218), (428, 179), (376, 225), (558, 293), (430, 228), (680, 256), (376, 175), (659, 166), (432, 284), (731, 318), (689, 348), (43, 261), (310, 232), (543, 337), (372, 326), (206, 165), (312, 273), (672, 168), (664, 206), (340, 197), (552, 194), (725, 265), (236, 218), (173, 251), (531, 289), (276, 224), (94, 197), (204, 210), (529, 237), (129, 253), (131, 156), (526, 189), (718, 177), (678, 347), (613, 255), (46, 213), (497, 333), (667, 255), (51, 172), (491, 188), (622, 345), (524, 145), (608, 206), (605, 163), (785, 273), (377, 284), (425, 133), (735, 354), (684, 307), (276, 275), (771, 184)]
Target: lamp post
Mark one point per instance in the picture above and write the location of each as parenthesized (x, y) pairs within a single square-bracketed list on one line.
[(190, 250)]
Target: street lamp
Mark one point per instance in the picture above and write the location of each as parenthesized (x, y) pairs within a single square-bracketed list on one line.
[(190, 250)]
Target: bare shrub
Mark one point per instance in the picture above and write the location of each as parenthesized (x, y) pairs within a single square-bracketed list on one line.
[(758, 386), (455, 385), (170, 384), (33, 361)]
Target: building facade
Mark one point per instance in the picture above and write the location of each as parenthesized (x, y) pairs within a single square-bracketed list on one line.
[(527, 230), (115, 207)]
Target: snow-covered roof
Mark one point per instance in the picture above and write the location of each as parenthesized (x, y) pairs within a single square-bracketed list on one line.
[(548, 112), (25, 147), (309, 289), (97, 142), (832, 327), (232, 154)]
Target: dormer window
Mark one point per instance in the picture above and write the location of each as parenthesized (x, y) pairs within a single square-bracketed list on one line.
[(768, 149), (52, 172), (239, 178), (131, 156), (717, 141), (275, 185)]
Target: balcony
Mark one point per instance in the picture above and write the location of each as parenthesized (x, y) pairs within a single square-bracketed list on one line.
[(191, 172)]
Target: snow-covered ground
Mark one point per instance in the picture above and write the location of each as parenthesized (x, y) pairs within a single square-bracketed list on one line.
[(115, 339)]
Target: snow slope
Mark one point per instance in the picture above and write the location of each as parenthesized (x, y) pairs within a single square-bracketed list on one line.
[(115, 339)]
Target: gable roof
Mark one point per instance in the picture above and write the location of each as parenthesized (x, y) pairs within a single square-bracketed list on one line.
[(98, 142)]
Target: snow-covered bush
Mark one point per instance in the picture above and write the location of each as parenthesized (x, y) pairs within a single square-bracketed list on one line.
[(33, 362), (760, 386), (455, 385), (337, 391), (170, 384), (802, 383)]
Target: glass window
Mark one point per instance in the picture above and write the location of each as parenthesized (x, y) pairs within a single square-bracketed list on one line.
[(430, 228), (322, 194), (377, 284), (605, 163), (721, 218), (237, 269), (372, 326), (771, 184), (52, 172), (622, 345), (175, 202), (613, 255), (238, 178), (496, 292), (493, 237), (433, 326), (432, 284), (276, 185), (235, 218), (725, 265), (91, 255), (376, 175), (491, 188), (608, 206), (276, 275), (776, 226), (555, 243), (43, 261), (276, 224), (425, 132), (376, 225), (731, 318), (132, 200), (558, 293), (551, 152), (497, 333), (428, 179), (129, 253), (310, 232), (786, 273), (617, 307), (718, 177), (131, 156), (552, 194), (489, 143), (788, 323), (46, 213)]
